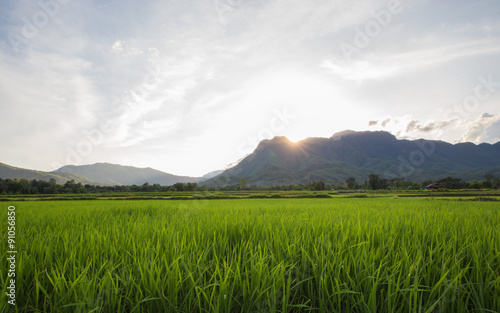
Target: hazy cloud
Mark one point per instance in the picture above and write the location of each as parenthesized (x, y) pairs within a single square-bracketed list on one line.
[(385, 122), (429, 126)]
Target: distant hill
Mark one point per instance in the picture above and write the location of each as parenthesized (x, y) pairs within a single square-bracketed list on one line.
[(11, 172), (357, 154), (124, 175)]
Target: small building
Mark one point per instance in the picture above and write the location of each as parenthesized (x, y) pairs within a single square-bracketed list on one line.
[(433, 186)]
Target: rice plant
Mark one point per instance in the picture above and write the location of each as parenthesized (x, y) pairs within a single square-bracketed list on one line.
[(256, 255)]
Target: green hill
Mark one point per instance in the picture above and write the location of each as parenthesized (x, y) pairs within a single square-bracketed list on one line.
[(11, 172)]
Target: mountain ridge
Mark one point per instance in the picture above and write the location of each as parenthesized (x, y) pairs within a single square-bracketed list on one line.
[(103, 174), (12, 172), (126, 175), (357, 154)]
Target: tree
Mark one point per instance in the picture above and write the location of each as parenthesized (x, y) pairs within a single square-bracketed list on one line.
[(489, 177), (179, 186), (316, 185), (486, 184), (145, 187), (52, 188), (452, 183), (311, 185), (13, 186), (373, 181), (243, 183), (190, 187), (351, 183), (399, 183), (415, 186), (73, 187), (3, 186), (25, 186), (476, 185), (320, 185), (490, 181)]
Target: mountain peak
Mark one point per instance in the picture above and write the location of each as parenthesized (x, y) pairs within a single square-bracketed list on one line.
[(277, 140), (281, 139), (349, 133), (344, 133)]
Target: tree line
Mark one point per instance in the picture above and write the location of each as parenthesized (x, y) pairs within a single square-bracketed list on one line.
[(374, 182), (24, 186)]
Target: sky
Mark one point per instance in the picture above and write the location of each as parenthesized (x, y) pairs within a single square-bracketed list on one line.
[(192, 86)]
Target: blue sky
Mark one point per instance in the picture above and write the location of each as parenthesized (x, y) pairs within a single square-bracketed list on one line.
[(188, 87)]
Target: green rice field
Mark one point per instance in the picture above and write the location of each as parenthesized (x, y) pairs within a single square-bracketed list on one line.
[(255, 255)]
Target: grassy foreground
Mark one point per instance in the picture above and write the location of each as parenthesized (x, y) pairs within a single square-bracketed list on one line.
[(255, 255)]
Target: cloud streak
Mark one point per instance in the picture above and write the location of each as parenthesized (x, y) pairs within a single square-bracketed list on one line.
[(384, 65)]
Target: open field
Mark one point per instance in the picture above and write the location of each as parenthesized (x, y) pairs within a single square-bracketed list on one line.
[(479, 195), (381, 254)]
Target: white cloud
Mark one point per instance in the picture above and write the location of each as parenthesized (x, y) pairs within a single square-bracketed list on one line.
[(117, 46), (122, 47), (486, 128)]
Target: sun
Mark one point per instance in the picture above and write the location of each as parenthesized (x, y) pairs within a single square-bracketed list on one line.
[(294, 139)]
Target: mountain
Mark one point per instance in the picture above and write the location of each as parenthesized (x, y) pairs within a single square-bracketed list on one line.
[(11, 172), (212, 174), (124, 175), (358, 154)]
